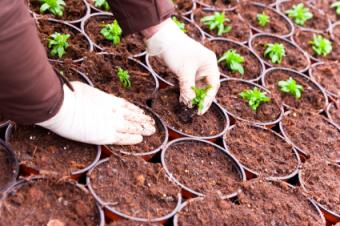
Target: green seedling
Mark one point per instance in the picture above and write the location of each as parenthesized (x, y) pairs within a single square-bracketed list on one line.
[(112, 32), (58, 43), (200, 93), (275, 51), (321, 45), (102, 4), (179, 24), (233, 60), (290, 86), (217, 21), (123, 76), (336, 6), (254, 97), (299, 14), (56, 7), (262, 19)]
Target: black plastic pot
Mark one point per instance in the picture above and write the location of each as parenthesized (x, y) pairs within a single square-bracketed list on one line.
[(13, 163), (201, 3)]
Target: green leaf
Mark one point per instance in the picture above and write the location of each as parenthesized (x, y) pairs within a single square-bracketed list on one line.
[(58, 43), (56, 7), (290, 86), (112, 32), (200, 94), (336, 5), (124, 77), (254, 97), (262, 19), (233, 61), (102, 4), (321, 45), (275, 51), (299, 14), (217, 21), (179, 24)]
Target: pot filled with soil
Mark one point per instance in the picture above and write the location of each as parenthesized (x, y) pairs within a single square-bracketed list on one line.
[(201, 167), (184, 7), (294, 89), (227, 5), (70, 11), (9, 167), (39, 151), (131, 223), (321, 180), (63, 41), (262, 152), (131, 188), (329, 7), (333, 113), (271, 3), (249, 102), (106, 35), (335, 31), (46, 201), (222, 24), (99, 5), (279, 52), (312, 134)]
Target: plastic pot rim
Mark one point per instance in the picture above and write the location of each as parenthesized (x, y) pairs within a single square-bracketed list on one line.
[(329, 116), (207, 6)]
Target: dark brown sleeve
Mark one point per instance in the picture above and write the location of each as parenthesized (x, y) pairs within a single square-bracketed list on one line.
[(137, 15), (30, 92)]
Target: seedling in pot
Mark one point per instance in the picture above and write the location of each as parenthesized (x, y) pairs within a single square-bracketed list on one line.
[(336, 6), (112, 32), (233, 61), (102, 4), (262, 19), (56, 7), (123, 77), (254, 97), (200, 93), (275, 51), (57, 42), (179, 24), (321, 45), (217, 21), (299, 14), (290, 86)]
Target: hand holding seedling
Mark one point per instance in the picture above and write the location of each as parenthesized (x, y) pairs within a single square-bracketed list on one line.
[(56, 7), (275, 51), (262, 19), (217, 21), (58, 44), (112, 32), (299, 14), (290, 86), (321, 45), (102, 4), (233, 61), (254, 97), (200, 93)]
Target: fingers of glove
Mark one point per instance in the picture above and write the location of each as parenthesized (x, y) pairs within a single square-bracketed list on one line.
[(136, 128), (127, 139), (138, 117), (187, 80), (121, 102)]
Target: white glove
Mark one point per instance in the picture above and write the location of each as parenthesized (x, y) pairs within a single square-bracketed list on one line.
[(91, 116), (188, 59)]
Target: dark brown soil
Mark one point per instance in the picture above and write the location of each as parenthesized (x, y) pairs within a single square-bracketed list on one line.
[(67, 71), (101, 69), (202, 168), (183, 6), (162, 70), (327, 75), (294, 58), (261, 150), (266, 2), (229, 97), (135, 187), (78, 44), (313, 134), (74, 10), (252, 65), (336, 32), (7, 168), (277, 25), (48, 153), (335, 115), (130, 223), (131, 44), (322, 182), (225, 4), (40, 201), (311, 98), (191, 30), (325, 6), (166, 103), (240, 31)]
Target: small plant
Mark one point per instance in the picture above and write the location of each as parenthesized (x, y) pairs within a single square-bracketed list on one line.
[(336, 5), (321, 45), (123, 76), (299, 13), (179, 24), (112, 32), (58, 43), (262, 19), (233, 60), (200, 93), (56, 7), (254, 97), (217, 21), (290, 86), (102, 4), (275, 51)]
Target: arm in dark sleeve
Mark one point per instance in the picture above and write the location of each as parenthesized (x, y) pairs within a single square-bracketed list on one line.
[(137, 15), (30, 91)]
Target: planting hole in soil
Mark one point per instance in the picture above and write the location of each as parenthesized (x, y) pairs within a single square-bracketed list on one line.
[(201, 168), (330, 7), (333, 112), (46, 201), (219, 4), (262, 151), (135, 189), (183, 7), (8, 167)]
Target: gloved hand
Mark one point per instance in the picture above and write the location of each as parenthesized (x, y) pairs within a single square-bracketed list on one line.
[(188, 59), (91, 116)]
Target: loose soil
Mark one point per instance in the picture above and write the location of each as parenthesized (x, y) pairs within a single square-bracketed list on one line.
[(266, 2), (240, 31), (202, 168), (131, 44), (101, 69), (336, 32), (74, 10), (67, 71), (130, 223), (224, 4), (7, 168), (335, 115), (313, 134), (294, 58), (183, 6), (229, 97), (48, 153), (261, 150), (162, 70), (311, 98), (40, 201), (322, 182), (78, 44), (325, 6), (166, 103), (252, 65), (135, 187), (326, 75)]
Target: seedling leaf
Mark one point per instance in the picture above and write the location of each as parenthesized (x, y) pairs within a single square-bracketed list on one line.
[(102, 4), (124, 77), (262, 19), (336, 5), (56, 7), (299, 14), (179, 24), (233, 60), (290, 86), (254, 97), (200, 93), (217, 21), (58, 44), (321, 45), (112, 32), (275, 51)]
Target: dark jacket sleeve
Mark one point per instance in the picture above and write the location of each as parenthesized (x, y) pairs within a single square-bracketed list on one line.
[(30, 91), (137, 15)]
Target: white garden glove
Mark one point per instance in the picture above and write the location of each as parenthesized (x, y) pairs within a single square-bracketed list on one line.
[(188, 59), (91, 116)]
